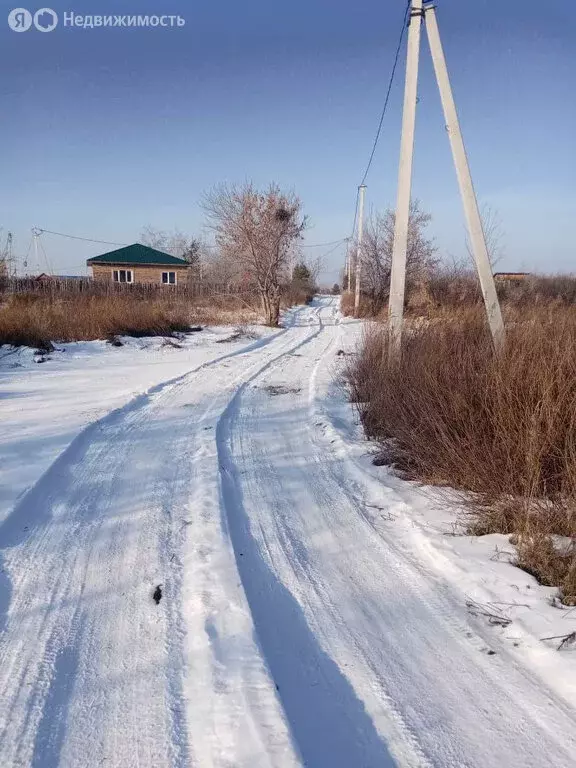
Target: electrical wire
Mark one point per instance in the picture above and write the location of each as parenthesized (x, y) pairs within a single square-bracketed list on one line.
[(378, 132), (325, 245), (355, 214), (46, 259), (75, 237), (28, 254), (340, 242), (382, 116), (336, 243), (387, 99)]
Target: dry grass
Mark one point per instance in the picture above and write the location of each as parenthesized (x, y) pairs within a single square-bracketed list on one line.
[(225, 310), (38, 321), (347, 304), (347, 300), (296, 293), (503, 428), (453, 288), (552, 564)]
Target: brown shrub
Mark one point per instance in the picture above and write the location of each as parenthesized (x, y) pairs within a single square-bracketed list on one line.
[(296, 293), (453, 288), (347, 303), (448, 288), (552, 564), (504, 428), (539, 289), (39, 320), (347, 300)]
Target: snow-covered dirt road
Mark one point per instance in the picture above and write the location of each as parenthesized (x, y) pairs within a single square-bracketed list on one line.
[(291, 630)]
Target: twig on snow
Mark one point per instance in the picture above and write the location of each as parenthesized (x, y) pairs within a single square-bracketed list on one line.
[(498, 553), (497, 619), (565, 639)]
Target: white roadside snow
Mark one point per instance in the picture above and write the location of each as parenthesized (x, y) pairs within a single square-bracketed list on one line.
[(46, 400), (314, 611)]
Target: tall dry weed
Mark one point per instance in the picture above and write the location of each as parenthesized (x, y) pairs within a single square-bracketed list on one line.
[(501, 427), (40, 320)]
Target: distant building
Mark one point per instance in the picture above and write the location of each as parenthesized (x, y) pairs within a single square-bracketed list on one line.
[(139, 264), (44, 276), (505, 277)]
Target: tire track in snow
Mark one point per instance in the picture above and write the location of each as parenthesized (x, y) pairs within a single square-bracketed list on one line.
[(242, 726), (82, 515), (328, 722), (318, 576), (24, 517), (41, 524), (442, 600)]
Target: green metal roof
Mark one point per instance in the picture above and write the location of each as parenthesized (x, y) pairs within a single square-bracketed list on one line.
[(137, 254)]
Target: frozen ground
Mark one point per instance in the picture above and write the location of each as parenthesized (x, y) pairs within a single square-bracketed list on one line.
[(314, 609)]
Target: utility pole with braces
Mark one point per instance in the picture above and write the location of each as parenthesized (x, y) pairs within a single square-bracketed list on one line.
[(361, 191), (418, 14)]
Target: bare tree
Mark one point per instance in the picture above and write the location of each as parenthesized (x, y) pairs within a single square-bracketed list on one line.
[(377, 247), (315, 265), (258, 231), (221, 270), (175, 243), (493, 234), (4, 270)]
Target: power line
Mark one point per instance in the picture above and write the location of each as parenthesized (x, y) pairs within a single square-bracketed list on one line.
[(340, 242), (355, 214), (385, 107), (50, 269), (380, 124), (205, 245), (75, 237), (382, 115), (28, 255), (325, 245)]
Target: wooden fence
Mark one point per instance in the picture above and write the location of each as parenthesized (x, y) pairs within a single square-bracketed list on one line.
[(62, 286)]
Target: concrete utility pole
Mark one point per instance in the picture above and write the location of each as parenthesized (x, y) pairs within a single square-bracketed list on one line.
[(10, 255), (36, 235), (361, 191), (471, 210), (6, 260), (348, 268), (400, 247), (472, 213)]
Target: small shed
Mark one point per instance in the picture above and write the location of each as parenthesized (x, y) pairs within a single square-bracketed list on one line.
[(510, 277), (139, 264)]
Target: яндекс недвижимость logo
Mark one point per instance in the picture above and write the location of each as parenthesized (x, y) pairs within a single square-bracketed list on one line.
[(21, 20), (46, 20)]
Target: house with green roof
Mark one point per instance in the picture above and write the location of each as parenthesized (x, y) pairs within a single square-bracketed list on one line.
[(141, 265)]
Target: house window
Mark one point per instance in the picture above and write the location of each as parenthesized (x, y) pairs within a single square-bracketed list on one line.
[(168, 278), (123, 276)]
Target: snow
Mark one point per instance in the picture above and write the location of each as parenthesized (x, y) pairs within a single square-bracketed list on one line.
[(428, 525), (315, 610), (44, 406)]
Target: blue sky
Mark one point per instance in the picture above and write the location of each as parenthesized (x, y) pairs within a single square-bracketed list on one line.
[(103, 132)]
